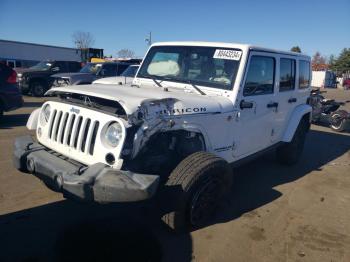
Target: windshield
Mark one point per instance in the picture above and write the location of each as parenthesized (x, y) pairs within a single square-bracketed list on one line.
[(42, 66), (91, 68), (207, 66), (130, 71)]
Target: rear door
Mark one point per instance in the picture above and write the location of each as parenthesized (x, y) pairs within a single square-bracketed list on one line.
[(286, 91), (258, 105)]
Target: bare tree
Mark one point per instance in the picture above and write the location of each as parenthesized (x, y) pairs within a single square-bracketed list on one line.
[(83, 39), (296, 49), (125, 53), (318, 62)]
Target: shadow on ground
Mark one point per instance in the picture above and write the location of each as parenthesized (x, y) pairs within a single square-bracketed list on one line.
[(255, 182), (13, 120), (32, 104), (70, 231)]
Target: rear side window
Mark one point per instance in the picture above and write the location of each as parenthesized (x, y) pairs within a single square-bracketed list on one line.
[(121, 69), (74, 67), (287, 74), (109, 69), (304, 74), (260, 76)]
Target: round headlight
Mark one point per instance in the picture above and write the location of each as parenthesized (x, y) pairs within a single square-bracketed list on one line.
[(114, 134), (45, 114)]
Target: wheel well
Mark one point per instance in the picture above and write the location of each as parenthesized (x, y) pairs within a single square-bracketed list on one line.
[(306, 120), (164, 150)]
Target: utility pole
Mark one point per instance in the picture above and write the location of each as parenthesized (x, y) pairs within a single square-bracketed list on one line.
[(149, 39)]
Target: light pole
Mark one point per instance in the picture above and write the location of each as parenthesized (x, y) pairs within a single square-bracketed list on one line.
[(149, 39)]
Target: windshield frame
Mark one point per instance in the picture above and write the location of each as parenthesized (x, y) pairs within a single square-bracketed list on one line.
[(142, 72)]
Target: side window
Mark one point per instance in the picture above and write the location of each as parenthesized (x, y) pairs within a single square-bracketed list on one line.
[(61, 65), (287, 74), (74, 67), (121, 69), (304, 74), (109, 69), (260, 76)]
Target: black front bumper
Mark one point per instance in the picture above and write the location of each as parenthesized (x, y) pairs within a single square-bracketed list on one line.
[(97, 182)]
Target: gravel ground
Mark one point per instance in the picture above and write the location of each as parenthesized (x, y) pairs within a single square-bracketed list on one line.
[(275, 213)]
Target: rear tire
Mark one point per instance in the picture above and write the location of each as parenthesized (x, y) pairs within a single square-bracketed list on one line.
[(290, 153), (338, 122), (38, 89), (195, 187)]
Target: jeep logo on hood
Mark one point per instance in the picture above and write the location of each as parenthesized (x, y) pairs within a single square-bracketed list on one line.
[(74, 110)]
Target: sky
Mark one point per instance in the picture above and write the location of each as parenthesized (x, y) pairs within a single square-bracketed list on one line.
[(322, 26)]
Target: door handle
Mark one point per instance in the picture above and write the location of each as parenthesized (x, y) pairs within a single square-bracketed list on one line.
[(273, 104), (292, 100)]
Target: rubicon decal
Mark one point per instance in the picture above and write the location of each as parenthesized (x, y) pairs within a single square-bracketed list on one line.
[(182, 110)]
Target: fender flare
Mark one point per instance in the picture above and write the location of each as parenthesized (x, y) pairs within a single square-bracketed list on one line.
[(294, 120), (32, 122)]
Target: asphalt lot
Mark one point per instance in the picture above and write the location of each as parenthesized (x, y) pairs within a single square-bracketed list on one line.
[(275, 213)]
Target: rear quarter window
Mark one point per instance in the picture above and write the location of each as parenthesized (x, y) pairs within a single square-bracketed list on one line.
[(304, 74)]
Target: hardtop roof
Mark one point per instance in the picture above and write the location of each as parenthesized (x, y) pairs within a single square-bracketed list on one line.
[(243, 47)]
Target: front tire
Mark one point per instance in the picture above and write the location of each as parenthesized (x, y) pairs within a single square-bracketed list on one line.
[(202, 179), (290, 153), (38, 89), (338, 122)]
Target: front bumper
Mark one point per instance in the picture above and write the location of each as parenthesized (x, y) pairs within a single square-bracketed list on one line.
[(97, 182)]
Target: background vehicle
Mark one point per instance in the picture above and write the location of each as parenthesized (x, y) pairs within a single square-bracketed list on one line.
[(193, 109), (10, 95), (125, 78), (346, 83), (36, 79), (322, 79), (326, 111), (89, 73)]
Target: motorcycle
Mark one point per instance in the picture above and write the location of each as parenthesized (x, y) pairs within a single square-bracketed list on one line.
[(326, 111)]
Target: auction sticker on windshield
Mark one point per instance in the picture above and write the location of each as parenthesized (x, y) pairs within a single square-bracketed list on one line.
[(227, 54)]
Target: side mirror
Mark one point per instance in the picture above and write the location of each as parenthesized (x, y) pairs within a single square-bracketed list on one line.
[(245, 104), (55, 69)]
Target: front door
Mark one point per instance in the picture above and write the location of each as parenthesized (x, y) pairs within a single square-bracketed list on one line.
[(258, 105)]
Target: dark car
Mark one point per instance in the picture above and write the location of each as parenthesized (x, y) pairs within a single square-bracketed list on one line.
[(10, 95), (90, 72), (37, 79)]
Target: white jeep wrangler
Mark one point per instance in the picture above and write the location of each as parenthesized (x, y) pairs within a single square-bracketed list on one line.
[(193, 109)]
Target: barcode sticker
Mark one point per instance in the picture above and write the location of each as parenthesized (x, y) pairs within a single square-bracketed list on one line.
[(227, 54)]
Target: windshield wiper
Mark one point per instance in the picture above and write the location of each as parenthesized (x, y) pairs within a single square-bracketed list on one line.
[(155, 81), (197, 88), (151, 77)]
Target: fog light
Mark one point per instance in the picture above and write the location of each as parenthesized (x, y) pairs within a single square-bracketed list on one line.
[(30, 165), (110, 159)]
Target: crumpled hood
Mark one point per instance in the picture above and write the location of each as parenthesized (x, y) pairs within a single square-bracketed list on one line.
[(174, 101), (114, 80)]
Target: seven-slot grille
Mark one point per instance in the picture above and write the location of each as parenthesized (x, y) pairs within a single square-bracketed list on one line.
[(74, 131)]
